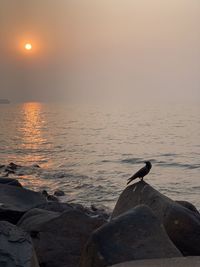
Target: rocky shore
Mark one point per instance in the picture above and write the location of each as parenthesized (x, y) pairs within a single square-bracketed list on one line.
[(38, 230)]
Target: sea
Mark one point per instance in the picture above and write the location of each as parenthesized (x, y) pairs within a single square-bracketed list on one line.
[(89, 151)]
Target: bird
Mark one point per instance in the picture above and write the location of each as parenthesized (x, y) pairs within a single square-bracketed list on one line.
[(141, 173)]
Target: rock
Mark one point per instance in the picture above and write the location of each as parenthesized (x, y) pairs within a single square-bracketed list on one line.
[(10, 181), (59, 238), (36, 166), (15, 201), (188, 205), (52, 198), (100, 210), (44, 193), (49, 197), (62, 207), (134, 235), (59, 193), (13, 166), (16, 248), (170, 262), (182, 225), (91, 212), (56, 206), (32, 219)]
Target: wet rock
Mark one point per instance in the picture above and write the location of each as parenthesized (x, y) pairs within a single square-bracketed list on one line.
[(59, 193), (36, 166), (52, 198), (15, 201), (44, 193), (100, 210), (134, 235), (10, 181), (16, 248), (13, 166), (182, 224), (59, 239), (49, 197), (62, 207)]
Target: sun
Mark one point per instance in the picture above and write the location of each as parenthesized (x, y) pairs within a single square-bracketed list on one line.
[(28, 46)]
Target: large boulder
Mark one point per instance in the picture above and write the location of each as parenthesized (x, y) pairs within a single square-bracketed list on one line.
[(61, 207), (15, 201), (134, 235), (188, 205), (16, 248), (33, 219), (56, 206), (169, 262), (10, 181), (59, 238), (181, 223)]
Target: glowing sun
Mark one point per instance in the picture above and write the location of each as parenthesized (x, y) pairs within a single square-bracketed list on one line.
[(28, 46)]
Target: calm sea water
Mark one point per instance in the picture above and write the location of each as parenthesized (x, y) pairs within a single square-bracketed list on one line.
[(89, 152)]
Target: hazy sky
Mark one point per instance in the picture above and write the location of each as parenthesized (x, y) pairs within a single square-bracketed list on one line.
[(100, 49)]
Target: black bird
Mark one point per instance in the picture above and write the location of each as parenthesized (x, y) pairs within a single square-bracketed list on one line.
[(141, 173)]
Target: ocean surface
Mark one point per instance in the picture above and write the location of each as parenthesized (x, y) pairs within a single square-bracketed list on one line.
[(89, 151)]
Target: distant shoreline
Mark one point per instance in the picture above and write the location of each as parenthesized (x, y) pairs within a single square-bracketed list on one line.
[(4, 101)]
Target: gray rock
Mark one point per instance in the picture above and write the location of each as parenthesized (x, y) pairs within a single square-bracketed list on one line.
[(16, 248), (13, 166), (182, 224), (36, 166), (10, 181), (169, 262), (59, 193), (187, 205), (33, 219), (56, 206), (15, 201), (49, 197), (61, 207), (134, 235), (59, 238)]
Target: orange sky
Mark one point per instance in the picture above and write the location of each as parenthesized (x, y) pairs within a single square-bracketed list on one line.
[(136, 48)]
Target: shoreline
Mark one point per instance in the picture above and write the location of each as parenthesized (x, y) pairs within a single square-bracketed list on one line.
[(144, 224)]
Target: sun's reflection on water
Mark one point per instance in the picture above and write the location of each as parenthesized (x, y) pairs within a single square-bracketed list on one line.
[(32, 131)]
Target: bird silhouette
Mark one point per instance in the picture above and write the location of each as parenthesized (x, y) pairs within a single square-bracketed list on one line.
[(141, 173)]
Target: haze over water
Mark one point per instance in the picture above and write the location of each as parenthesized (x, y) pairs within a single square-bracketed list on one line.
[(115, 66), (90, 151)]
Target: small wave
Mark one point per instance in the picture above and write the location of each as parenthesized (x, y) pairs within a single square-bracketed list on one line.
[(106, 161), (179, 165), (169, 155), (132, 160), (162, 163)]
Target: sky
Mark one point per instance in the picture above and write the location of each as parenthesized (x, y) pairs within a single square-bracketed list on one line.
[(100, 50)]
